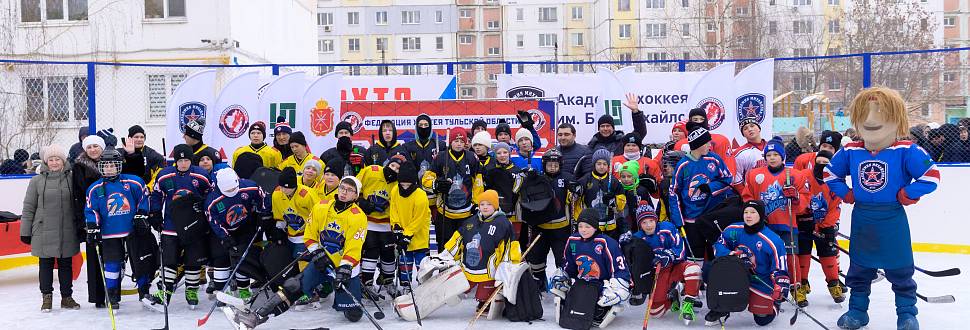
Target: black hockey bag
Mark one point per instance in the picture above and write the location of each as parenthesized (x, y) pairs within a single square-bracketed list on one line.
[(528, 305), (266, 178), (187, 216), (274, 258), (577, 311), (538, 200), (144, 253), (640, 257), (728, 285)]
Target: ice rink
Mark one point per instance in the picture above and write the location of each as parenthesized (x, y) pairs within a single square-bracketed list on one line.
[(20, 302)]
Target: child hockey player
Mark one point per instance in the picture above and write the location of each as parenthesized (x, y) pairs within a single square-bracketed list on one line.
[(327, 190), (481, 143), (312, 174), (553, 223), (257, 145), (886, 175), (386, 146), (411, 219), (379, 247), (291, 205), (456, 178), (821, 231), (504, 177), (648, 170), (601, 191), (112, 206), (760, 249), (301, 153), (235, 212), (592, 259)]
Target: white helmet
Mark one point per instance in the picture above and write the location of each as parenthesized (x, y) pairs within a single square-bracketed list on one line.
[(228, 182)]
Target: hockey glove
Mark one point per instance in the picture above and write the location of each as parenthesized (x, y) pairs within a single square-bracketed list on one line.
[(197, 207), (828, 233), (379, 203), (615, 291), (441, 185), (789, 192), (782, 288), (404, 241), (704, 188), (93, 233), (663, 258), (648, 183), (356, 160), (321, 261), (575, 187), (560, 284), (626, 238), (342, 275), (744, 253), (365, 205), (525, 119), (155, 220), (141, 221)]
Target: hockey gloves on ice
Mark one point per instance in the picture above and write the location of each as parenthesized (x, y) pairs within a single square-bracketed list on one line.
[(342, 275), (782, 288), (93, 232), (664, 258), (615, 291)]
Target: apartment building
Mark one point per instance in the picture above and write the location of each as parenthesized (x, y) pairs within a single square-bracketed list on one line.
[(545, 30), (956, 34)]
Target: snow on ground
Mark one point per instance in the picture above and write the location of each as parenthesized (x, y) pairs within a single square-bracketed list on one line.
[(20, 302)]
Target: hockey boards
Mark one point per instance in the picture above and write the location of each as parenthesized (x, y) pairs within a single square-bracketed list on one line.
[(443, 288)]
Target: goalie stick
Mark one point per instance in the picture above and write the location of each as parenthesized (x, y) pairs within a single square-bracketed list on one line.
[(944, 299), (938, 273)]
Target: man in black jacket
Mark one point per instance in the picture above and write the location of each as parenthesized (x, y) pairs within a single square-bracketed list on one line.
[(611, 139), (575, 157), (140, 160)]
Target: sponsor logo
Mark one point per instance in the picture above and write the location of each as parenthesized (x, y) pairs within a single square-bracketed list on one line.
[(525, 92), (321, 118), (752, 105), (234, 121), (615, 109), (191, 111), (285, 109), (118, 204), (726, 293), (537, 117), (696, 133), (355, 119), (587, 267), (715, 111), (872, 175)]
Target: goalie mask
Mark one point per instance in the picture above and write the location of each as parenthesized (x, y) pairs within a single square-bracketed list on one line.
[(110, 164)]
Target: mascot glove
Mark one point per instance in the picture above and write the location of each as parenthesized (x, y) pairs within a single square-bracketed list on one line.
[(903, 199), (615, 291), (849, 197)]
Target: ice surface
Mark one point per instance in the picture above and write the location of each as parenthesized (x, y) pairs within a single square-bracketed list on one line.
[(20, 302)]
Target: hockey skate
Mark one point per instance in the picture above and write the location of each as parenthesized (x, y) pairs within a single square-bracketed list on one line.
[(157, 301), (603, 316), (801, 294), (687, 310), (438, 290), (837, 291), (192, 297), (241, 320), (715, 318)]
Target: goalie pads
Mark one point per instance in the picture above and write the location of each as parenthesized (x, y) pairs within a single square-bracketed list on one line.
[(432, 264), (434, 292), (577, 310), (615, 291), (640, 257), (525, 305)]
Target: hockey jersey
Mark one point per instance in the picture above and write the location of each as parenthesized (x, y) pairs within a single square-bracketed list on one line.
[(297, 164), (768, 255), (761, 184), (823, 204), (876, 178), (805, 162), (294, 211), (746, 158), (378, 153), (665, 237), (720, 145), (466, 183), (340, 232), (423, 154), (413, 215), (228, 214), (480, 245), (647, 166), (506, 181), (605, 194), (686, 203), (375, 186), (171, 185), (526, 161), (271, 157), (558, 219), (112, 204), (596, 258)]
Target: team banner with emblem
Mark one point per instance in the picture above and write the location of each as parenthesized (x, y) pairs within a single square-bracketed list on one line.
[(233, 113), (279, 99), (714, 93), (754, 90), (398, 88), (613, 94), (319, 106), (192, 100)]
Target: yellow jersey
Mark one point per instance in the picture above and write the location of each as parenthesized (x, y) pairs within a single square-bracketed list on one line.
[(271, 157), (413, 215), (293, 211), (297, 164), (340, 232)]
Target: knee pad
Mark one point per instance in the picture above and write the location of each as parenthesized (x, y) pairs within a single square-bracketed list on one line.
[(763, 320), (267, 302)]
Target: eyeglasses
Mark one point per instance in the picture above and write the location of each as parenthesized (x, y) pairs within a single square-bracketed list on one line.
[(346, 190)]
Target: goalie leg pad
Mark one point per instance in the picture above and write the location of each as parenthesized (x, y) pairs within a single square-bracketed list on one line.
[(438, 290), (611, 314)]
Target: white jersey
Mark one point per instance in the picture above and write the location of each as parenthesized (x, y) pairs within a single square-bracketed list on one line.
[(748, 157)]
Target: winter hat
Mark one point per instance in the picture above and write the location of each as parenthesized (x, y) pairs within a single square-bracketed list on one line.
[(645, 211), (343, 126), (831, 138), (760, 207), (632, 138), (315, 164), (602, 154), (282, 126), (194, 129), (680, 125), (182, 151), (407, 173), (423, 133), (482, 138), (258, 126), (523, 133), (589, 216), (228, 182), (458, 133), (54, 150), (336, 167), (503, 127), (82, 132), (479, 124), (21, 156), (632, 167), (135, 130), (298, 138), (501, 145), (353, 181), (776, 145), (212, 154), (490, 196), (288, 178), (110, 141), (92, 140), (605, 119), (748, 120), (697, 135)]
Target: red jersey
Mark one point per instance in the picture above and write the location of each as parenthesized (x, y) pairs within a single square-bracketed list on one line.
[(761, 184), (824, 205), (805, 161)]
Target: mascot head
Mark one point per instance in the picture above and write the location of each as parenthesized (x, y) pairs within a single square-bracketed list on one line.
[(879, 115)]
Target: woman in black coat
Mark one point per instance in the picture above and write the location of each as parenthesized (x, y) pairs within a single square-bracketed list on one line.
[(84, 173)]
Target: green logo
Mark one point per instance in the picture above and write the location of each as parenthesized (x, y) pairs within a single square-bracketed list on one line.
[(220, 207), (286, 110), (615, 109)]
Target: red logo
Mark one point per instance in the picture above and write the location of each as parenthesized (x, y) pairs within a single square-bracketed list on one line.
[(321, 118), (715, 111)]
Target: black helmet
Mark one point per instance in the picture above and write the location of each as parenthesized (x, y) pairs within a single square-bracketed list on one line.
[(111, 158), (553, 155)]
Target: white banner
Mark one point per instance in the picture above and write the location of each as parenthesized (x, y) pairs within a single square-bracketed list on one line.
[(192, 100), (613, 95), (234, 111), (398, 88), (319, 107), (754, 89), (714, 93), (279, 98)]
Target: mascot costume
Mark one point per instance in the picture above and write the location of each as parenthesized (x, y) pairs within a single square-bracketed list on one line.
[(886, 174)]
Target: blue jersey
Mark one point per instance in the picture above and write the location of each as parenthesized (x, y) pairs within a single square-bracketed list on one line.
[(170, 184), (112, 204), (524, 162), (227, 214), (596, 258), (768, 254), (686, 202), (877, 178), (665, 237)]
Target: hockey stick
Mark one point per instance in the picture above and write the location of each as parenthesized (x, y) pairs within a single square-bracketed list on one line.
[(400, 258), (646, 316), (352, 297), (498, 288), (944, 299), (938, 273), (379, 314), (104, 281), (797, 308), (161, 265), (232, 277)]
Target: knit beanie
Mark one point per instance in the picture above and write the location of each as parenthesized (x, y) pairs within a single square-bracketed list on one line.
[(482, 138), (831, 138), (503, 127), (490, 196), (297, 137), (135, 130), (288, 178), (315, 164), (501, 145), (282, 126), (605, 119), (632, 167), (589, 216), (182, 151), (479, 124), (343, 126), (258, 126), (92, 140), (645, 211), (523, 133), (54, 150), (458, 133), (697, 135), (775, 145), (602, 154), (748, 120)]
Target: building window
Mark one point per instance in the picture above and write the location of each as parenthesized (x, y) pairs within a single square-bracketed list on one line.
[(577, 13), (493, 25), (711, 27), (801, 52), (519, 14), (547, 40), (160, 86), (439, 16), (656, 30), (353, 18), (325, 45), (626, 57), (467, 92), (548, 68), (741, 10), (685, 3), (949, 21), (520, 68), (834, 83), (802, 27), (353, 70), (465, 39), (381, 17), (685, 30), (353, 45), (835, 26), (59, 97), (324, 19), (624, 5), (493, 51), (657, 4), (772, 27), (381, 44), (548, 14), (519, 40), (836, 2), (383, 70), (803, 82), (411, 70), (465, 13), (924, 109), (685, 56), (465, 67), (949, 77), (440, 68), (578, 39), (411, 17), (53, 10), (657, 57), (163, 8), (439, 43), (802, 2), (492, 77), (578, 67), (833, 51), (411, 43), (625, 31), (324, 70)]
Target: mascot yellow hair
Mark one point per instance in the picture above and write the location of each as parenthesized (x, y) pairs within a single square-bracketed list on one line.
[(891, 105)]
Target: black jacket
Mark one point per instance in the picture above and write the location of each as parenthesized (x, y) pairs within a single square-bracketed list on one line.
[(614, 142), (84, 173), (576, 160), (142, 163)]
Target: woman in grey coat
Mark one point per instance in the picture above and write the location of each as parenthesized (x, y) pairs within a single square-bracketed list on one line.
[(47, 225)]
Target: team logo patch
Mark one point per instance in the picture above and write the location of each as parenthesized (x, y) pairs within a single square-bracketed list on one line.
[(711, 167), (321, 118), (715, 111), (598, 249), (293, 221), (191, 111), (760, 178), (118, 204), (819, 207), (234, 121), (752, 105), (236, 214), (195, 183), (525, 92), (758, 245), (774, 198), (355, 120), (872, 175), (587, 267)]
